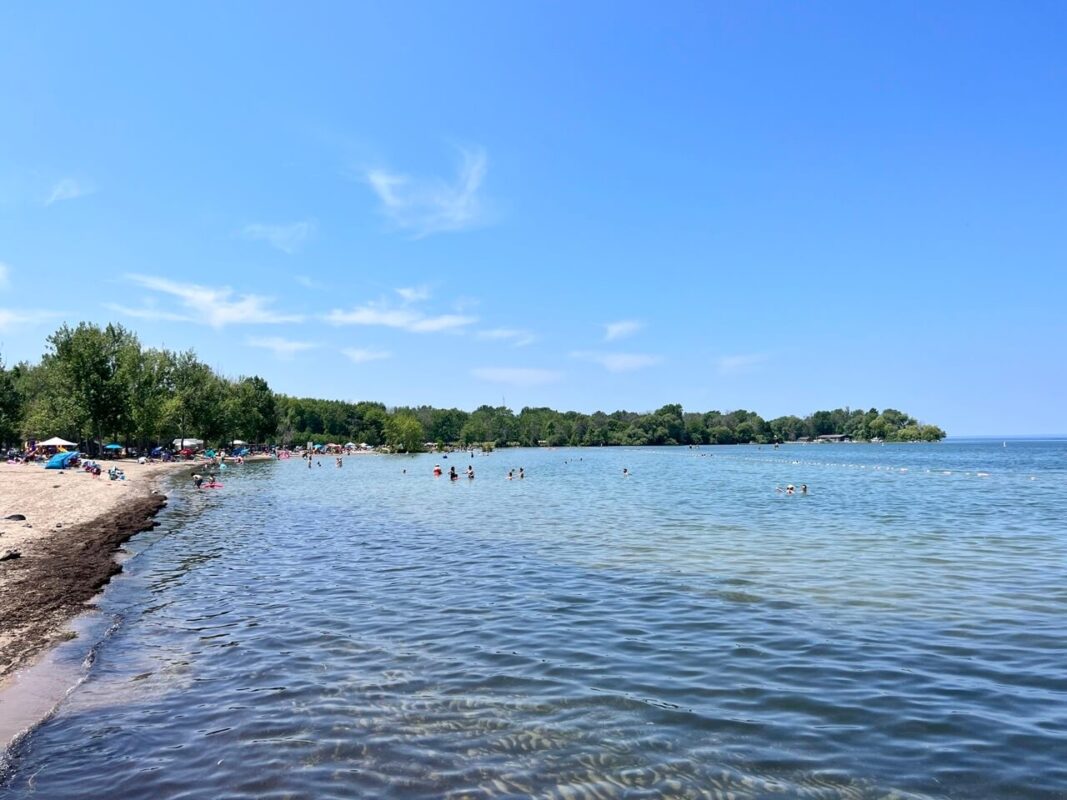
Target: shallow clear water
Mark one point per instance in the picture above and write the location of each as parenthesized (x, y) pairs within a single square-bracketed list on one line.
[(684, 632)]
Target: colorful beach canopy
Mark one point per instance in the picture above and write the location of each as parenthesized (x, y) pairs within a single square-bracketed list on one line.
[(55, 441), (61, 460)]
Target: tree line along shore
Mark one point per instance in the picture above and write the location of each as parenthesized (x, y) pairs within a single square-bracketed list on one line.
[(97, 383)]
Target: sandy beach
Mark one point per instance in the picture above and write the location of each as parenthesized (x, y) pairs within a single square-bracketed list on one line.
[(72, 525)]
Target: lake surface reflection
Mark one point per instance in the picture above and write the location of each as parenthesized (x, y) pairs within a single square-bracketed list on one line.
[(684, 632)]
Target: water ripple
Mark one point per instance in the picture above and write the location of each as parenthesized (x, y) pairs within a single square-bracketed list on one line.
[(684, 633)]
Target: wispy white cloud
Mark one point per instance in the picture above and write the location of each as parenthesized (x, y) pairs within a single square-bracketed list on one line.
[(151, 312), (361, 355), (427, 206), (618, 362), (68, 189), (621, 329), (282, 348), (287, 238), (308, 282), (205, 305), (12, 319), (731, 365), (414, 294), (517, 376), (407, 319), (519, 338), (5, 275)]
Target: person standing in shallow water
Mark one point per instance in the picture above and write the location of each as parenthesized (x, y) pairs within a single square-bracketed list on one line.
[(470, 473), (452, 474)]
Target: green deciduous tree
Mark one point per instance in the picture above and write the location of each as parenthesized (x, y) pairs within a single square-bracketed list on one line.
[(404, 433)]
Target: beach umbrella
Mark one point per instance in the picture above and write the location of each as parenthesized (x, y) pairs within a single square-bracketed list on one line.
[(113, 447), (55, 441)]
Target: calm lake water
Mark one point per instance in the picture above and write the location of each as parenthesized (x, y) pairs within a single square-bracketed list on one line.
[(684, 632)]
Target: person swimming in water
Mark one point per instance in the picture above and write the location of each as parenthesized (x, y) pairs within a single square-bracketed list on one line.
[(522, 472), (436, 470), (803, 488), (470, 472), (197, 480), (452, 474)]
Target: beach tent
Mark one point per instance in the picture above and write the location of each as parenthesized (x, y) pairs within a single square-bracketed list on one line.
[(60, 460), (238, 441), (189, 442), (55, 441)]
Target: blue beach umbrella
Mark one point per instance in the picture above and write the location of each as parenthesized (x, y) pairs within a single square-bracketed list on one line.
[(113, 447)]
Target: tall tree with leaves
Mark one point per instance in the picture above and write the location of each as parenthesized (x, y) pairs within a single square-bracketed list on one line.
[(11, 407), (88, 360), (253, 415)]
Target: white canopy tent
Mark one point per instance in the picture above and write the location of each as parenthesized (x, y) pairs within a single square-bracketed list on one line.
[(189, 441), (55, 441)]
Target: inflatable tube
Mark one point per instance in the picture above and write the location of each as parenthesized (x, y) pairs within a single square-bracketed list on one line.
[(215, 485)]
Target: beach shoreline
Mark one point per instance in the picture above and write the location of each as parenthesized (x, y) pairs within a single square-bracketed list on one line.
[(73, 526)]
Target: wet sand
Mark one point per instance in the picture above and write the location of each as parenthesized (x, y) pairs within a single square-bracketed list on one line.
[(73, 525)]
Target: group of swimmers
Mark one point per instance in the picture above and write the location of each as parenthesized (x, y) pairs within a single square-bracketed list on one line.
[(791, 489), (198, 480), (454, 476)]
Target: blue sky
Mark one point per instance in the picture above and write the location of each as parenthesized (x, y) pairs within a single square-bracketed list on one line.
[(779, 207)]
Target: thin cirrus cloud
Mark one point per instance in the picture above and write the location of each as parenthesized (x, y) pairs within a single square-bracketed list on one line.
[(405, 319), (621, 329), (287, 238), (308, 282), (425, 206), (618, 362), (283, 349), (414, 294), (517, 376), (10, 318), (5, 276), (516, 337), (68, 189), (732, 365), (362, 355), (204, 305)]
